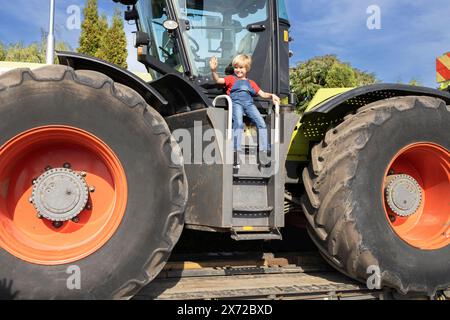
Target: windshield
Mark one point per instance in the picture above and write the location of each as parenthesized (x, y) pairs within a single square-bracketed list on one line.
[(219, 28), (152, 14), (282, 10)]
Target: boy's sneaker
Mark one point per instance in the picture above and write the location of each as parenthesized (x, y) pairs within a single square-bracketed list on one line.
[(265, 159), (237, 160)]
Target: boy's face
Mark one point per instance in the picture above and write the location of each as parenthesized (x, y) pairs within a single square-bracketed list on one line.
[(240, 71)]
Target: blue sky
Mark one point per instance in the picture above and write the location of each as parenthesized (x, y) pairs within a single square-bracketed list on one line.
[(412, 34)]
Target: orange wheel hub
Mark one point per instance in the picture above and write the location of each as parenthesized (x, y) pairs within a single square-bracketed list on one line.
[(63, 194), (416, 192)]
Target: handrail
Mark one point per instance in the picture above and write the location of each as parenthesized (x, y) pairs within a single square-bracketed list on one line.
[(230, 118), (230, 115), (277, 124)]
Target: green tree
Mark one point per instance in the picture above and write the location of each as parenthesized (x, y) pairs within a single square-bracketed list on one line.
[(340, 76), (19, 53), (415, 82), (102, 27), (113, 47), (35, 52), (325, 72), (364, 78), (99, 40), (2, 52), (412, 82), (90, 37)]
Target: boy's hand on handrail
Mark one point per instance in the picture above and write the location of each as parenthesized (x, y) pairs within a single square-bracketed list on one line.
[(265, 95), (275, 99)]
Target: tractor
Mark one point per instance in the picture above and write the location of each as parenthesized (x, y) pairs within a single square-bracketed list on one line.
[(101, 171)]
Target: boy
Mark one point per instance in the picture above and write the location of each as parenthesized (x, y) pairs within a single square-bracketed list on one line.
[(242, 90)]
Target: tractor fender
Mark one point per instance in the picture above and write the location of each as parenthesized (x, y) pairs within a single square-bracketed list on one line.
[(170, 94), (322, 115), (338, 106)]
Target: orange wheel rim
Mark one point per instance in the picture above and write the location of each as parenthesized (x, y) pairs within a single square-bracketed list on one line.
[(24, 159), (416, 195)]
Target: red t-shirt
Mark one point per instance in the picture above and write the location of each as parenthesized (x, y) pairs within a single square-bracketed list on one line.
[(231, 80)]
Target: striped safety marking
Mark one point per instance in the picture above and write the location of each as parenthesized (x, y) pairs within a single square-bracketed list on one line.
[(443, 68)]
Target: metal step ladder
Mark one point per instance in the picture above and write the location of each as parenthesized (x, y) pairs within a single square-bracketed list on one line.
[(254, 187)]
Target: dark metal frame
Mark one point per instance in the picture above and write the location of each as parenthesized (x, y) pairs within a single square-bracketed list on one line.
[(170, 94), (80, 61)]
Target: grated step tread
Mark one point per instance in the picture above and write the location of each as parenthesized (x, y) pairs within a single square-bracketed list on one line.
[(252, 209)]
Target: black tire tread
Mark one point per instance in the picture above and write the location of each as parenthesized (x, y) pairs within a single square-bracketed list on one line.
[(328, 204), (170, 148)]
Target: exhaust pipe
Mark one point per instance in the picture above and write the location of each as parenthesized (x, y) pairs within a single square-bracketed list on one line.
[(50, 57)]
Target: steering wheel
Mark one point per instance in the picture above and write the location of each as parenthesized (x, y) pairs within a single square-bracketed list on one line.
[(165, 51), (194, 44)]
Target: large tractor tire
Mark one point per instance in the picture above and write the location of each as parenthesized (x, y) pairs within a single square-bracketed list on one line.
[(93, 188), (378, 192)]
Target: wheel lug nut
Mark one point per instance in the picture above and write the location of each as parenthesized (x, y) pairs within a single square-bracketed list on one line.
[(57, 224), (30, 200), (67, 165), (76, 219), (83, 174), (391, 172), (47, 168), (392, 218), (34, 181), (88, 206), (91, 189), (39, 216)]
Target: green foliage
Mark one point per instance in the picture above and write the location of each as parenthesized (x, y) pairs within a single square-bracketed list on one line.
[(412, 82), (364, 78), (102, 27), (99, 40), (113, 47), (415, 82), (19, 53), (35, 52), (90, 37), (2, 52), (340, 76), (325, 72)]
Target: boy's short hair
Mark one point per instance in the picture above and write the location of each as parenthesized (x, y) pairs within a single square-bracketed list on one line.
[(244, 61)]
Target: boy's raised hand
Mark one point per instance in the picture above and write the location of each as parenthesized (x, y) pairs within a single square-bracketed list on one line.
[(213, 64)]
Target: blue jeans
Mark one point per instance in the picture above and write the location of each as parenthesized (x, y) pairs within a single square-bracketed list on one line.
[(238, 125)]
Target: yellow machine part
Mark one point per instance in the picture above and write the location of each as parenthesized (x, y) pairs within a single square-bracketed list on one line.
[(300, 143)]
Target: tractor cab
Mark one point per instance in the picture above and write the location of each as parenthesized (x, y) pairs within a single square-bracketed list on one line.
[(184, 35), (175, 40)]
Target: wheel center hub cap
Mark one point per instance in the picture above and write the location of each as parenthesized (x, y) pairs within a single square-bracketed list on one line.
[(403, 195), (60, 194)]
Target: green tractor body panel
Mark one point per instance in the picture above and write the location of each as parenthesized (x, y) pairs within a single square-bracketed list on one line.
[(300, 146), (324, 94), (329, 107)]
